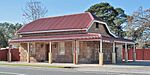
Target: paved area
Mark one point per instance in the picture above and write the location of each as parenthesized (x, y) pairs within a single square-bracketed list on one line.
[(137, 68), (42, 71), (54, 71)]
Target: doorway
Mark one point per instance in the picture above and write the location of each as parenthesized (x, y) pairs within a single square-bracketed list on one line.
[(47, 52)]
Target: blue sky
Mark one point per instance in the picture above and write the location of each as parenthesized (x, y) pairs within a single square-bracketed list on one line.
[(11, 10)]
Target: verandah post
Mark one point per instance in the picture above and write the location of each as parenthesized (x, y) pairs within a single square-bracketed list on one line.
[(50, 53), (28, 52), (101, 53), (9, 53), (134, 52), (113, 54), (126, 52), (74, 52)]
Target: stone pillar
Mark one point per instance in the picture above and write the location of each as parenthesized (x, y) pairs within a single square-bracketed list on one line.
[(126, 53), (9, 53), (75, 54), (50, 53), (28, 52), (134, 53), (113, 54), (101, 54)]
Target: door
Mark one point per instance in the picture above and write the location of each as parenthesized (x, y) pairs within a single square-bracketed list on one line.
[(47, 52)]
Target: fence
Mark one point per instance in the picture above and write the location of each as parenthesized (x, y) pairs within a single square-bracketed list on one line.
[(14, 55), (141, 54), (3, 55)]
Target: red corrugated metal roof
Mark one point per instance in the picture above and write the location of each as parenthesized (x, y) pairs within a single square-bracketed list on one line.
[(87, 36), (57, 38), (74, 21)]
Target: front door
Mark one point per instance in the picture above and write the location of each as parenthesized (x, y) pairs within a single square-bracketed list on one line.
[(47, 51)]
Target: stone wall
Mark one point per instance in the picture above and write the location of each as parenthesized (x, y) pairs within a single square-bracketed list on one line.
[(67, 57), (40, 52), (37, 52), (88, 52), (119, 53), (107, 51), (23, 52)]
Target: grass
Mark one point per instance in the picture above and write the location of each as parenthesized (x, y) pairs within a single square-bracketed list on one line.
[(32, 65)]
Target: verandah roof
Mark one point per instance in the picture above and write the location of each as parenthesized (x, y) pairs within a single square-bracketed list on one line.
[(87, 36), (57, 38), (112, 39)]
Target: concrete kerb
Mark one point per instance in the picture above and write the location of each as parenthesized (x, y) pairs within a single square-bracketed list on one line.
[(69, 65), (65, 65)]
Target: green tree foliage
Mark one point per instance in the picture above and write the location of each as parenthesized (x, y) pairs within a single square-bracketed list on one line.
[(114, 17), (7, 31), (138, 27)]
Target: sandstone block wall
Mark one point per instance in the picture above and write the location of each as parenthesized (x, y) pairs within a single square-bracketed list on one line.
[(35, 56), (107, 51), (67, 57), (23, 52), (88, 52), (119, 53)]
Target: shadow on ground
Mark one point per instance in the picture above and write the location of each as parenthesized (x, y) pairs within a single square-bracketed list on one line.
[(137, 63)]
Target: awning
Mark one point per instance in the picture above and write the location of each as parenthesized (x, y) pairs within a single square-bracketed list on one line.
[(113, 39), (86, 36)]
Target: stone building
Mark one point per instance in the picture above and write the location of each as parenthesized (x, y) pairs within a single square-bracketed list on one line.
[(77, 38)]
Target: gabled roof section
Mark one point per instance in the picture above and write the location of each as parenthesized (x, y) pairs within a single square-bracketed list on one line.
[(67, 22), (105, 24)]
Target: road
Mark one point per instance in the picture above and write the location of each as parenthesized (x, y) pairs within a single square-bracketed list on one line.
[(11, 70)]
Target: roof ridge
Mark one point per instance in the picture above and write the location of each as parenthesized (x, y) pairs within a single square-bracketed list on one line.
[(65, 15)]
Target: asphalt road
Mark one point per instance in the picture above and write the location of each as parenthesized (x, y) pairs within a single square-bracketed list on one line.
[(9, 70)]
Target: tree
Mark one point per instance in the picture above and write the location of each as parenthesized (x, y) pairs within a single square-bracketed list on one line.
[(34, 10), (138, 27), (114, 17), (7, 31)]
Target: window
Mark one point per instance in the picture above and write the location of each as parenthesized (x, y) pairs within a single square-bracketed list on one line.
[(61, 47), (97, 25), (32, 49)]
